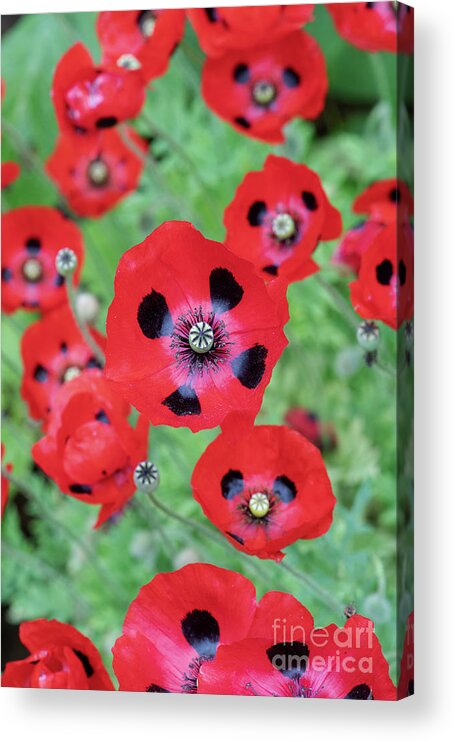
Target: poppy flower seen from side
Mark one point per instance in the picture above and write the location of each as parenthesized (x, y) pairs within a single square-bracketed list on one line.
[(384, 289), (31, 239), (60, 657), (292, 658), (192, 333), (222, 29), (90, 449), (5, 482), (374, 27), (177, 624), (97, 173), (151, 36), (308, 423), (259, 89), (277, 218), (53, 352), (89, 97), (265, 491)]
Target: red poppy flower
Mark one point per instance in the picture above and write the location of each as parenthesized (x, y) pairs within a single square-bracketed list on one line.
[(277, 217), (89, 97), (10, 172), (32, 237), (295, 659), (177, 624), (308, 424), (192, 333), (348, 254), (151, 36), (5, 483), (406, 680), (53, 352), (90, 450), (384, 288), (60, 657), (259, 89), (373, 27), (266, 491), (97, 173), (222, 29)]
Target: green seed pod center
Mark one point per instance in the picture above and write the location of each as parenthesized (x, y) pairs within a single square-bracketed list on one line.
[(32, 270), (201, 337), (264, 92), (71, 373), (283, 227), (98, 173), (259, 504)]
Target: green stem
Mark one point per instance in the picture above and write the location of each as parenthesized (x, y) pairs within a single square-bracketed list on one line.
[(380, 74), (85, 332), (322, 594), (339, 301)]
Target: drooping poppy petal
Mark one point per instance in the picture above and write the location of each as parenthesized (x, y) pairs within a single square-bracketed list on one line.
[(32, 237), (151, 36), (266, 491), (259, 89), (373, 27), (277, 218), (60, 657), (53, 352), (178, 623), (222, 29), (193, 333)]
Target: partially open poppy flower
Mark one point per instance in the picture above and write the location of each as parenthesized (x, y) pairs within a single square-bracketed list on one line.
[(90, 450), (53, 352), (5, 483), (97, 173), (266, 491), (150, 36), (384, 288), (192, 333), (177, 624), (296, 659), (308, 423), (406, 679), (31, 239), (60, 657), (277, 218), (222, 29), (259, 89), (373, 27), (88, 97)]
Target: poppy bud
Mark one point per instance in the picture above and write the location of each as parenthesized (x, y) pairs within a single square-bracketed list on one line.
[(146, 477), (368, 336), (88, 307)]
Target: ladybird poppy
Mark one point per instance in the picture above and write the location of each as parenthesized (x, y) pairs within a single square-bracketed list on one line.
[(406, 679), (290, 657), (90, 450), (222, 29), (53, 352), (259, 89), (384, 288), (192, 333), (177, 624), (5, 483), (373, 27), (97, 173), (88, 97), (266, 491), (307, 423), (151, 36), (277, 218), (32, 237), (60, 657)]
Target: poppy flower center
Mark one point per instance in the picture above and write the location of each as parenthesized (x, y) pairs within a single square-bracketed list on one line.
[(200, 341), (264, 92), (201, 337), (70, 373), (147, 22), (129, 62), (32, 270), (98, 173), (283, 227), (259, 504)]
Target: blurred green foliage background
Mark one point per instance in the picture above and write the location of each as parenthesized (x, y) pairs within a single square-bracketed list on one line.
[(54, 563)]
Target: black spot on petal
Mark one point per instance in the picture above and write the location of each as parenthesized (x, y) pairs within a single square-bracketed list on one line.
[(202, 631), (232, 484), (154, 317), (309, 199), (33, 245), (183, 401), (290, 658), (291, 78), (7, 274), (284, 488), (156, 689), (93, 363), (212, 14), (106, 122), (89, 671), (102, 417), (80, 489), (402, 272), (271, 269), (395, 195), (249, 366), (63, 347), (257, 213), (243, 122), (40, 373), (384, 272), (59, 280), (235, 537), (225, 292), (241, 73), (360, 693), (411, 688)]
